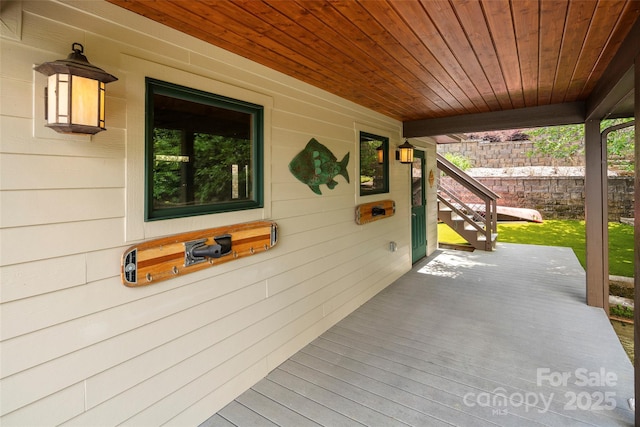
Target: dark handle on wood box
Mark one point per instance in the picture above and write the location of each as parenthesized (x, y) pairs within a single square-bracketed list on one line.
[(196, 251), (209, 251), (222, 247), (377, 210)]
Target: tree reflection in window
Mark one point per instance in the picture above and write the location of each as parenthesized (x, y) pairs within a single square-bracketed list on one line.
[(374, 164), (204, 152)]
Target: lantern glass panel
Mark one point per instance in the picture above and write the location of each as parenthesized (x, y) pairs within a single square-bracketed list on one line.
[(84, 101), (102, 95), (406, 155), (58, 91)]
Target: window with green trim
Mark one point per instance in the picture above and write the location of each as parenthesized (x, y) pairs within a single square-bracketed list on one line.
[(374, 164), (203, 152)]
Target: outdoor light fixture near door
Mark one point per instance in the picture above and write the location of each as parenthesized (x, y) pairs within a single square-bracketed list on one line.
[(74, 97), (405, 152)]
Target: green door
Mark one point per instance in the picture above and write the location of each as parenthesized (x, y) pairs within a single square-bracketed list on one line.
[(418, 208)]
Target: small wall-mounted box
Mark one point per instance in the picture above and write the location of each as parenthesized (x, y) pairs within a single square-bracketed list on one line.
[(374, 211)]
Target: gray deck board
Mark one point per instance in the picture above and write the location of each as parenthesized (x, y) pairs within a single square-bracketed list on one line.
[(434, 403), (277, 389), (273, 410), (343, 403), (238, 415), (217, 421), (442, 344), (372, 397)]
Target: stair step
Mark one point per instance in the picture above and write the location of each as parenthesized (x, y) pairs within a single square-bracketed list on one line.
[(483, 238), (457, 247), (461, 217), (470, 227), (462, 225)]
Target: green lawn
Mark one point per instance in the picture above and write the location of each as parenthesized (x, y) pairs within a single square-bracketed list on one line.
[(566, 233)]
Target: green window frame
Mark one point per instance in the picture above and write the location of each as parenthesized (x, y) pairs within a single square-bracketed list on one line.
[(374, 164), (203, 152)]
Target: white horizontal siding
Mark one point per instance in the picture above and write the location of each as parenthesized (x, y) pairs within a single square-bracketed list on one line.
[(51, 410), (80, 348), (14, 93), (33, 207), (16, 137), (122, 313), (48, 275), (112, 337), (42, 276), (31, 172), (242, 380), (26, 244)]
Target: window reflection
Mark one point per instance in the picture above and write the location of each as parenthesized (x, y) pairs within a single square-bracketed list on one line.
[(374, 164), (416, 182)]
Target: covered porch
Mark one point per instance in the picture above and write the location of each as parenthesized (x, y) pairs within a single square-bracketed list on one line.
[(483, 338), (446, 68)]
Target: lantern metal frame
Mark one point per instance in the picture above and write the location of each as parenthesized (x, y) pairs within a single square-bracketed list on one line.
[(405, 152), (61, 101)]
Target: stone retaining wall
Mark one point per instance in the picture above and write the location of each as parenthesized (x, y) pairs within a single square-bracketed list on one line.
[(504, 154), (556, 197)]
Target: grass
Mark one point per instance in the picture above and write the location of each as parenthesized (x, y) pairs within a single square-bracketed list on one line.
[(567, 233)]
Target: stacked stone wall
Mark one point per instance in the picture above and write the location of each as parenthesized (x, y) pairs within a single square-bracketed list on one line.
[(554, 197), (505, 154)]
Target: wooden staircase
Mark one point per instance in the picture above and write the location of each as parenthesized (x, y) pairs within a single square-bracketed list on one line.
[(470, 213)]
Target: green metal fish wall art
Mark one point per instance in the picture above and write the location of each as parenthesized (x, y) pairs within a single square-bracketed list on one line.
[(316, 165)]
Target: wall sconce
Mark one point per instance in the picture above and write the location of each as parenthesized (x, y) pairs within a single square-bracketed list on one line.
[(74, 98), (405, 152)]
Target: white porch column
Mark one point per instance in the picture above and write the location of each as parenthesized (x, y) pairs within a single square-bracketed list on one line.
[(597, 233)]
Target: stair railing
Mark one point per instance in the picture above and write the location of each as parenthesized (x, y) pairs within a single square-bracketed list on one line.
[(487, 223), (455, 202)]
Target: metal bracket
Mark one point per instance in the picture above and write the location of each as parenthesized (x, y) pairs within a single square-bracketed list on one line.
[(378, 210), (197, 251), (131, 266), (274, 234)]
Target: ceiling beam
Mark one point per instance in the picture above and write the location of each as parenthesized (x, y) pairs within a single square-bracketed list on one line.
[(546, 115), (617, 82)]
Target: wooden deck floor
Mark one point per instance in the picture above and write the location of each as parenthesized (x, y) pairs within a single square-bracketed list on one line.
[(466, 339)]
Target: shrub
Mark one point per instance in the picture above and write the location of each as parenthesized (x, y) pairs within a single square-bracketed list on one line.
[(518, 136), (459, 160)]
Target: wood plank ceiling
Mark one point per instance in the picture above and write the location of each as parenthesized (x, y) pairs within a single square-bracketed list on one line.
[(415, 59)]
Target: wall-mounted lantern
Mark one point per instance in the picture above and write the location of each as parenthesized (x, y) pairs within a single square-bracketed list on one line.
[(405, 152), (74, 97)]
